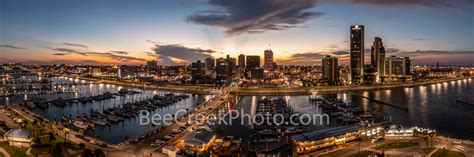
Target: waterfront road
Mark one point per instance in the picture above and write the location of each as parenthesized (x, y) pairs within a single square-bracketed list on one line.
[(71, 136), (206, 108)]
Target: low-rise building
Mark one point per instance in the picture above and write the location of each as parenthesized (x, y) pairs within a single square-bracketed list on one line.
[(19, 137), (323, 139), (198, 141)]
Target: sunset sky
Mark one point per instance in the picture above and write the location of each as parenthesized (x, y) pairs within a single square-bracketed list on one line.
[(182, 31)]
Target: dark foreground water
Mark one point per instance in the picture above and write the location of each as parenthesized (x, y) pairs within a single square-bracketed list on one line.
[(432, 106), (114, 133)]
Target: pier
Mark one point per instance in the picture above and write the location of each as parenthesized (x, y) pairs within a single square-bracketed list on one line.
[(464, 102), (380, 102)]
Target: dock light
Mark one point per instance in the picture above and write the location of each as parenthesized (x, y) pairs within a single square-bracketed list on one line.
[(341, 139)]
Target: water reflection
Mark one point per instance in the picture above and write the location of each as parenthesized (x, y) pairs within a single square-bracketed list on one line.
[(130, 128)]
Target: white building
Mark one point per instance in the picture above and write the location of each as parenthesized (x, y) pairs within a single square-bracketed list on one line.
[(19, 137)]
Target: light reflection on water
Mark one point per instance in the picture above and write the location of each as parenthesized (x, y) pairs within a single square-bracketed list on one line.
[(432, 106), (115, 133)]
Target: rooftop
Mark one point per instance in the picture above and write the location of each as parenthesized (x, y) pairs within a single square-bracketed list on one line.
[(19, 133), (321, 134)]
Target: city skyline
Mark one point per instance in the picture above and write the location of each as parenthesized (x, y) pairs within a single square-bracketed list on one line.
[(122, 32)]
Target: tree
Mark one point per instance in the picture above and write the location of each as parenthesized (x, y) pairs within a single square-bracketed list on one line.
[(51, 139), (82, 147), (37, 142), (58, 150), (99, 153), (87, 153)]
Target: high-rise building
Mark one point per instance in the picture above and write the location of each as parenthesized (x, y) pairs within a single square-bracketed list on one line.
[(150, 65), (210, 63), (268, 59), (330, 70), (396, 68), (357, 53), (224, 70), (198, 70), (407, 66), (242, 61), (377, 59), (253, 62)]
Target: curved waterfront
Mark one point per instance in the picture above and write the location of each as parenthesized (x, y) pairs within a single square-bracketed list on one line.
[(430, 106), (115, 133)]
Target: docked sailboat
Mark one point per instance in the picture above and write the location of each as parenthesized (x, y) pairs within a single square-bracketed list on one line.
[(80, 124)]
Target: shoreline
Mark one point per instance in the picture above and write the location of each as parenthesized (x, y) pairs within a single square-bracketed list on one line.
[(278, 91), (192, 90), (310, 91)]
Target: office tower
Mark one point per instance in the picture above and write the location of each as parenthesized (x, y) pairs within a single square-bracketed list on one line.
[(242, 61), (210, 63), (330, 70), (407, 66), (198, 70), (357, 53), (119, 71), (224, 70), (377, 59), (268, 59), (396, 67), (253, 62), (370, 74), (150, 65)]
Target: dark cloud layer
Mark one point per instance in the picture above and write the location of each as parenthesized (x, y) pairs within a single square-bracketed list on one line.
[(255, 16), (120, 52), (181, 52), (12, 47), (68, 51), (60, 61), (439, 52), (111, 55), (396, 3), (75, 45)]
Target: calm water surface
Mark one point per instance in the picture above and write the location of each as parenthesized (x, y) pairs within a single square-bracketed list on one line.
[(115, 133)]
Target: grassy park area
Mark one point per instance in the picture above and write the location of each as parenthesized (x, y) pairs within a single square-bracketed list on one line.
[(447, 153), (13, 151), (362, 154), (396, 145)]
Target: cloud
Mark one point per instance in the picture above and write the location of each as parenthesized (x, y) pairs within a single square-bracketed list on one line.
[(115, 57), (255, 16), (401, 3), (391, 50), (419, 39), (439, 52), (151, 54), (68, 51), (12, 47), (75, 45), (181, 52), (110, 55), (340, 53), (120, 52), (451, 57), (60, 61)]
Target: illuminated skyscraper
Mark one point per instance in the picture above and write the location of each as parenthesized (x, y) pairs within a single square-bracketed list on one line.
[(210, 63), (268, 59), (252, 62), (242, 61), (330, 70), (357, 53), (377, 59)]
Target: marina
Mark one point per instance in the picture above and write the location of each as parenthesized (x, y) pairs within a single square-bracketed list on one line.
[(104, 111)]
